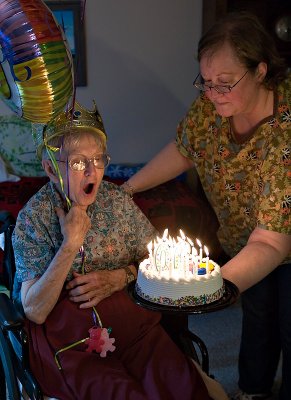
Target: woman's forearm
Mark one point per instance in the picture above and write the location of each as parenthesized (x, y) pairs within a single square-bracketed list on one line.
[(41, 295), (257, 259), (166, 165)]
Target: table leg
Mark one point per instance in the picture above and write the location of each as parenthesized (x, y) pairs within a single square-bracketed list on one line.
[(177, 328)]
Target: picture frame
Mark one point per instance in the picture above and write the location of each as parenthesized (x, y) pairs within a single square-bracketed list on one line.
[(68, 13)]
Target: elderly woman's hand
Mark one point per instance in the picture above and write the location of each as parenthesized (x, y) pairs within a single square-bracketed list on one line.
[(74, 226), (91, 288)]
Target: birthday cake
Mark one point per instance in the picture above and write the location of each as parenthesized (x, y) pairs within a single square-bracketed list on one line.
[(177, 274)]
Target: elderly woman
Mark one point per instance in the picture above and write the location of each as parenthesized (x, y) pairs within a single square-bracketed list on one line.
[(76, 244), (237, 136)]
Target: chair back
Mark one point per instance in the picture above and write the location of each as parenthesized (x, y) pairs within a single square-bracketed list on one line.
[(8, 260), (14, 359), (7, 226)]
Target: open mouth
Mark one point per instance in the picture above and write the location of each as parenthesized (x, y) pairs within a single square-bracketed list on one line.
[(89, 188), (220, 104)]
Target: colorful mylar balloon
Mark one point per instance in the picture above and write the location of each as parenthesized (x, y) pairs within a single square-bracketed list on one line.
[(36, 67)]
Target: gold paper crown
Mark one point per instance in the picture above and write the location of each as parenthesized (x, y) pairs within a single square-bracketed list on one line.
[(76, 117)]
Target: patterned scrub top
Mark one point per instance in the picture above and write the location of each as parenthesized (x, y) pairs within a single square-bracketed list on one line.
[(118, 236), (247, 184)]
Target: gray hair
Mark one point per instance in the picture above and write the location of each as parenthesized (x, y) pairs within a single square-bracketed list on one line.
[(72, 138)]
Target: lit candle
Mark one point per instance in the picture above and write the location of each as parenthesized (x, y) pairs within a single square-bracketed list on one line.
[(207, 258), (162, 254), (187, 259), (188, 245), (182, 234), (194, 260), (171, 258), (163, 257), (150, 250), (200, 252), (190, 242), (165, 234), (175, 266), (178, 257), (155, 255)]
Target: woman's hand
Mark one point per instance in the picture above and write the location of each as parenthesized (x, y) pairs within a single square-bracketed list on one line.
[(74, 226), (91, 288)]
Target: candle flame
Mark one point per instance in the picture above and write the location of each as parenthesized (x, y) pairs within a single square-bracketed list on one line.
[(182, 234), (190, 241), (165, 234), (206, 251), (176, 254)]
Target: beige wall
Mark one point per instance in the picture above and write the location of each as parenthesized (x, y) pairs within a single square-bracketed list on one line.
[(140, 67)]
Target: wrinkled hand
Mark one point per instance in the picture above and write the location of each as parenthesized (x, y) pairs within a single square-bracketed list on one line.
[(91, 288), (74, 225)]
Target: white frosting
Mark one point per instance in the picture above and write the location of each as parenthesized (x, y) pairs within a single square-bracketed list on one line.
[(164, 289)]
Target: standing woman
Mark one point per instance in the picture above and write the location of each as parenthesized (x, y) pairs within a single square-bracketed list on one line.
[(237, 136)]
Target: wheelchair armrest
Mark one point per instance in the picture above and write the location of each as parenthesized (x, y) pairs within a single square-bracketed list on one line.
[(10, 318), (14, 352)]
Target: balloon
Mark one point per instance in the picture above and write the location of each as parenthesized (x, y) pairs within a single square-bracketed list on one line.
[(36, 66)]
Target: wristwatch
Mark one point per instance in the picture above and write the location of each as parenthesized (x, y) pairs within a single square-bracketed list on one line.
[(129, 275)]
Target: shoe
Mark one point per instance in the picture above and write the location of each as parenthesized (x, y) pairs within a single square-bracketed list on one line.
[(244, 396)]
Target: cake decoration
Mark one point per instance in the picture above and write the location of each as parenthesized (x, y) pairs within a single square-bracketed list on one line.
[(179, 273)]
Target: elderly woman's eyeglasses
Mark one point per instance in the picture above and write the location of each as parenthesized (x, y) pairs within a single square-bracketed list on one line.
[(78, 162), (222, 89)]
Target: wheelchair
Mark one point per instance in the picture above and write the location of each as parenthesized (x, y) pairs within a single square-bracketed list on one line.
[(16, 379)]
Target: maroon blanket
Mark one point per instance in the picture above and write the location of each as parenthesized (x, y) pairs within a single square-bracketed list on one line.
[(145, 365)]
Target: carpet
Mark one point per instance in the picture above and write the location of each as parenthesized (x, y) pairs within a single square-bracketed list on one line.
[(221, 332)]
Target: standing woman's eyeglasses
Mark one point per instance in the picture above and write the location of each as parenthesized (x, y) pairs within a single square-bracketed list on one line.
[(222, 89)]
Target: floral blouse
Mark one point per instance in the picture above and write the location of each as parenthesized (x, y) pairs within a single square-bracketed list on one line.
[(247, 184), (118, 236)]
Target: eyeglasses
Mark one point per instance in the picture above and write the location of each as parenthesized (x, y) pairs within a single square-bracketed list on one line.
[(221, 89), (78, 162)]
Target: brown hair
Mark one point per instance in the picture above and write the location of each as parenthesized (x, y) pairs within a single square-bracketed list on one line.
[(250, 41)]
